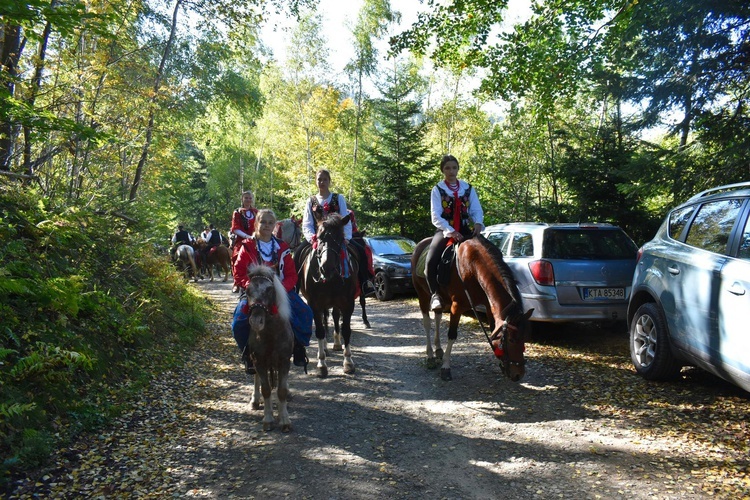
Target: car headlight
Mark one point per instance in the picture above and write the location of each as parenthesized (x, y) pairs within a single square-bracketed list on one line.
[(400, 271)]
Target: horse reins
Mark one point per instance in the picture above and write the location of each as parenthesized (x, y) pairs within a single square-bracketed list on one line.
[(503, 355)]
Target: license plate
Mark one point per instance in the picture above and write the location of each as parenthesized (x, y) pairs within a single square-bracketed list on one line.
[(603, 294)]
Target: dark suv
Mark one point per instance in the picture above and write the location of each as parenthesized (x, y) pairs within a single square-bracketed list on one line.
[(569, 272), (691, 290), (391, 258)]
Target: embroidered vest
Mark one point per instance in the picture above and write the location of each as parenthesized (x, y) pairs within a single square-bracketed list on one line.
[(182, 236), (320, 212), (245, 219), (448, 203)]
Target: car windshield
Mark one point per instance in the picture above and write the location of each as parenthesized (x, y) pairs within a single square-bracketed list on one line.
[(588, 244), (394, 246)]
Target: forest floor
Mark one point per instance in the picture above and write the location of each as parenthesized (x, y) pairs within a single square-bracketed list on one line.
[(581, 424)]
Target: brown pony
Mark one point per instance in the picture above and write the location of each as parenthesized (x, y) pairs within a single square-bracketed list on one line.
[(326, 283), (269, 343), (478, 275), (218, 255)]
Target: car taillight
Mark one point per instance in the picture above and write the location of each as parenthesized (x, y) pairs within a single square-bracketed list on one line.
[(639, 255), (542, 272)]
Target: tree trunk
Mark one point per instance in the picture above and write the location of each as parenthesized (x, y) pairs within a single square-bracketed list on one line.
[(152, 104), (11, 53)]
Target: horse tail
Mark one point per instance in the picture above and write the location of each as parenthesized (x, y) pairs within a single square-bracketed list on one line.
[(191, 258)]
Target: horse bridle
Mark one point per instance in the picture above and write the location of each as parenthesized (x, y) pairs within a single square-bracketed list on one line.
[(256, 305), (318, 255), (503, 332)]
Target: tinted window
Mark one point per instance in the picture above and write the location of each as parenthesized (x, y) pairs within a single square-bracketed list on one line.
[(500, 240), (397, 246), (678, 220), (588, 244), (522, 245), (713, 224), (744, 252)]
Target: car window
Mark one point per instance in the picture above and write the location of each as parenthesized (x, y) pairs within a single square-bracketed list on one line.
[(522, 245), (396, 246), (678, 220), (587, 244), (713, 224), (500, 240), (744, 251)]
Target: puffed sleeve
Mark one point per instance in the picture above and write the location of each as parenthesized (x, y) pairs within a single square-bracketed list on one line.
[(244, 259), (289, 278)]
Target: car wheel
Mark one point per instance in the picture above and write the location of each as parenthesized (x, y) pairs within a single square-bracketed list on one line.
[(649, 345), (382, 287)]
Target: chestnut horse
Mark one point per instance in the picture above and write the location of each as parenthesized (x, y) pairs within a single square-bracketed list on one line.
[(269, 343), (330, 281), (478, 275), (218, 255)]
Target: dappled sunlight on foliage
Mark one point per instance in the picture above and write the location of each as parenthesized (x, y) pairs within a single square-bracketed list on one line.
[(90, 314)]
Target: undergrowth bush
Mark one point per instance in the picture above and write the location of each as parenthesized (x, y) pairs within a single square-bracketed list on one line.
[(89, 313)]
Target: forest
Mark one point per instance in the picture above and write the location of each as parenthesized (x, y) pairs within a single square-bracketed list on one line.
[(120, 119)]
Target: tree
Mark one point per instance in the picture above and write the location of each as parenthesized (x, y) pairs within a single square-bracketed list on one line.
[(398, 174)]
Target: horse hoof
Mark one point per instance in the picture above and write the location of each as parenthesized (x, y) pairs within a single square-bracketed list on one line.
[(349, 369), (267, 426), (337, 348), (286, 428), (323, 372), (445, 374), (431, 363), (367, 324), (439, 353), (256, 406)]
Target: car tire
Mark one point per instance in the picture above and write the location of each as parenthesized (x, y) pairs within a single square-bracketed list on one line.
[(383, 289), (649, 345)]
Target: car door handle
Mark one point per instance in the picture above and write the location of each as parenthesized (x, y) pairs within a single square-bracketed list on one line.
[(736, 289), (673, 270)]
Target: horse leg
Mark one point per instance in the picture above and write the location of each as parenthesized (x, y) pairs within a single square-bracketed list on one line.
[(364, 310), (445, 370), (427, 325), (265, 387), (255, 400), (320, 334), (336, 330), (195, 270), (282, 392), (346, 332)]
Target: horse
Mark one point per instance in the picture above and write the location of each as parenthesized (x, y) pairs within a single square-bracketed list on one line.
[(218, 255), (326, 283), (289, 230), (478, 275), (184, 259), (270, 343)]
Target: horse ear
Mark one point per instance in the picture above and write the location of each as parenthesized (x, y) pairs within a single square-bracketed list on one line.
[(528, 313), (346, 219)]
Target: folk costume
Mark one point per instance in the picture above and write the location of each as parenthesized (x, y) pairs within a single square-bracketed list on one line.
[(243, 227), (277, 255), (453, 208)]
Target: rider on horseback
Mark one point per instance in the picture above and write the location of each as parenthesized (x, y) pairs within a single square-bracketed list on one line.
[(181, 237), (243, 226), (454, 206), (318, 207)]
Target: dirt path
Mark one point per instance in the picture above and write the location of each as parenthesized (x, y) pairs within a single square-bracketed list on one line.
[(392, 430)]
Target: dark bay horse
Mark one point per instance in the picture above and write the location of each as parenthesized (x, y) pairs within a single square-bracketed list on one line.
[(290, 231), (479, 271), (269, 343), (327, 281)]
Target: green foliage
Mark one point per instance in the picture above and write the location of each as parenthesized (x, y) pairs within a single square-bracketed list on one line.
[(89, 314)]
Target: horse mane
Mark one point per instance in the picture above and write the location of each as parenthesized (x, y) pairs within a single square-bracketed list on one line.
[(509, 282), (282, 299)]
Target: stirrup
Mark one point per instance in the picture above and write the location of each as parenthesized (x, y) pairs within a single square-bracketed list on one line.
[(436, 303)]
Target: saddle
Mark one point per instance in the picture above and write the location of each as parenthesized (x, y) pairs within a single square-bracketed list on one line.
[(444, 265)]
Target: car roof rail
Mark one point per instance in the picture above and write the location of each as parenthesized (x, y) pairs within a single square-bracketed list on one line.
[(718, 189)]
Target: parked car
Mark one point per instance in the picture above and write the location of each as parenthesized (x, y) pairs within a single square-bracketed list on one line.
[(569, 272), (391, 258), (691, 290)]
